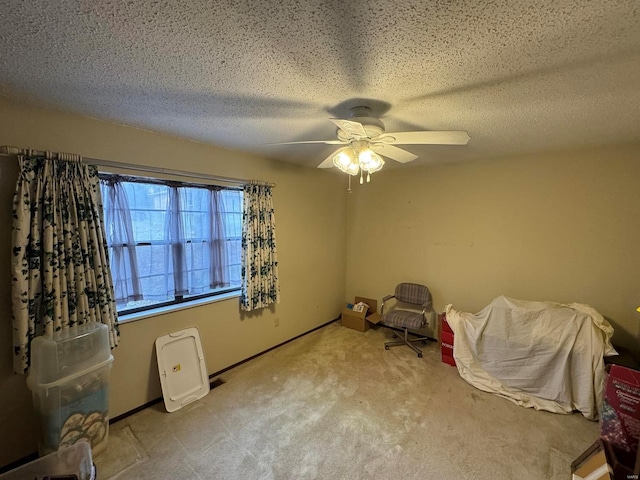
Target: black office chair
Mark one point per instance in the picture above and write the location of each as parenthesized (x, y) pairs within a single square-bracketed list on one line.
[(417, 296)]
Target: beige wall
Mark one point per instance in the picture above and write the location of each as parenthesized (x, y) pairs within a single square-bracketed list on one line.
[(562, 227), (310, 210)]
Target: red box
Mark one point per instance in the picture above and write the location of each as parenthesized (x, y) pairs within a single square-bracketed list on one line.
[(620, 419), (448, 359), (446, 327), (447, 339), (446, 343)]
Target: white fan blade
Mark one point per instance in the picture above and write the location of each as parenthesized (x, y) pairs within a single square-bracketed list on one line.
[(326, 142), (351, 128), (394, 153), (452, 137), (327, 162)]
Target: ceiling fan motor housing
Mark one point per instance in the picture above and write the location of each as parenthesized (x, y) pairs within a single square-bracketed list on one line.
[(373, 126)]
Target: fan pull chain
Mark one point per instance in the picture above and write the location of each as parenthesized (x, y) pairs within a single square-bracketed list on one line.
[(368, 177), (349, 189), (361, 181)]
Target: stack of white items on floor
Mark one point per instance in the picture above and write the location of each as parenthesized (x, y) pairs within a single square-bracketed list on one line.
[(543, 355)]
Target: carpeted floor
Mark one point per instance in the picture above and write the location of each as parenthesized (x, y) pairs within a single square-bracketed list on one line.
[(335, 405)]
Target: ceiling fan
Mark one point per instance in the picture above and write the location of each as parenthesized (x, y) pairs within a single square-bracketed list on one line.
[(365, 139)]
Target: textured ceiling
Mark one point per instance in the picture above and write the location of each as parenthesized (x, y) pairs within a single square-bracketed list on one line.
[(520, 76)]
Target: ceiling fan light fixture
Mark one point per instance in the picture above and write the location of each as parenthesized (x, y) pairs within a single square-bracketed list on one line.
[(345, 160), (343, 157), (370, 161), (352, 169), (357, 157)]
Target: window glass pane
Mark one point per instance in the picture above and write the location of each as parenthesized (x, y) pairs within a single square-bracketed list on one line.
[(233, 224), (196, 225)]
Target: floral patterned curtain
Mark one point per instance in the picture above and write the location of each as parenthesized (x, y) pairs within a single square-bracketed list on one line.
[(60, 269), (260, 284)]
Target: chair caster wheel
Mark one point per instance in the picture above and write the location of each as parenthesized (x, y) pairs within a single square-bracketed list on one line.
[(419, 355), (386, 347), (393, 335)]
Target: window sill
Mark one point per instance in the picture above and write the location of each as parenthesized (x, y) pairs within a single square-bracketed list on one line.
[(134, 317)]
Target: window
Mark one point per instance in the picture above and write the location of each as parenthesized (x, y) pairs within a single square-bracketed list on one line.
[(170, 242)]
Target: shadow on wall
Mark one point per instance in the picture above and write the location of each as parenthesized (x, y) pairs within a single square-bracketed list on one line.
[(154, 374), (271, 309), (625, 356)]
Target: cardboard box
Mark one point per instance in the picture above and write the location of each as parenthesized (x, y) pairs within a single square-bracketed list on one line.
[(592, 464), (361, 321), (374, 319)]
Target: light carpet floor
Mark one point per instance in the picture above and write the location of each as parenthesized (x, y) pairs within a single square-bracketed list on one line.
[(335, 405)]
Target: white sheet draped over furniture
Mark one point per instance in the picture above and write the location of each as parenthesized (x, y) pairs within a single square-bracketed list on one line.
[(543, 355)]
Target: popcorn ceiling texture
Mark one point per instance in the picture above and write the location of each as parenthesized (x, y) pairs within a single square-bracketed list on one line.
[(519, 76)]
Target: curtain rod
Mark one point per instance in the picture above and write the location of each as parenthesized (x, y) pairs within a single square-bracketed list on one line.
[(6, 150)]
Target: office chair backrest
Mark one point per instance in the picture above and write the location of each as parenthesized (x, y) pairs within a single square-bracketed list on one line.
[(413, 293)]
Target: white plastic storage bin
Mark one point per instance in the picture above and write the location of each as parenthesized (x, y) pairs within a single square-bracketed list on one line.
[(69, 381), (74, 460)]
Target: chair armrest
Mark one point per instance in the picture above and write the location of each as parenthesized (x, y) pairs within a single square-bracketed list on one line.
[(388, 297)]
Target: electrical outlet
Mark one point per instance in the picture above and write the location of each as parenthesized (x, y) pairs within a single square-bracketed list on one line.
[(276, 322)]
